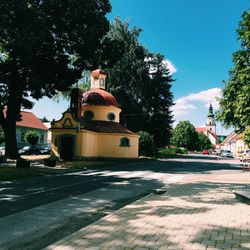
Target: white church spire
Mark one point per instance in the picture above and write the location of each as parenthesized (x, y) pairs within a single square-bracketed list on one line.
[(211, 125)]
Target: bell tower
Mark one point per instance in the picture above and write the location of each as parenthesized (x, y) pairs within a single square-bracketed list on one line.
[(98, 79), (211, 125)]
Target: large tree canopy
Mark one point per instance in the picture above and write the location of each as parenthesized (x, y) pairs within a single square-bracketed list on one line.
[(158, 100), (184, 135), (44, 46), (141, 82), (235, 101), (203, 142), (128, 76)]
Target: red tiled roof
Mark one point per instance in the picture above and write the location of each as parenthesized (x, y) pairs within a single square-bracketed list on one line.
[(200, 130), (203, 129), (97, 72), (97, 96), (29, 120), (106, 127)]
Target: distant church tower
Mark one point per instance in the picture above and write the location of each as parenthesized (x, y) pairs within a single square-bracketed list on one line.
[(211, 125)]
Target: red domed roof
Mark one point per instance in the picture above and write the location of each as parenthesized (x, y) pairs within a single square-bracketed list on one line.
[(98, 97)]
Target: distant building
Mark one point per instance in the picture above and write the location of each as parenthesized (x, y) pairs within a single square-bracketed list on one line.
[(30, 122), (211, 124), (91, 127), (209, 134), (235, 143), (210, 129)]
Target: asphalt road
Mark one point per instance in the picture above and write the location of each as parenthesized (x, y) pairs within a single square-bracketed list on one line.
[(16, 196), (38, 211)]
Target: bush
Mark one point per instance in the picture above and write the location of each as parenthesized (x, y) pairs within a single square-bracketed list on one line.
[(165, 152), (147, 145), (181, 151), (22, 163), (50, 162), (31, 137)]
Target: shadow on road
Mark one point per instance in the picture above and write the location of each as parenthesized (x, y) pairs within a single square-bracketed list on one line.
[(180, 165)]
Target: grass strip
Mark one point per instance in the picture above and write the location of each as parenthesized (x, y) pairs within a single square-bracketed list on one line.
[(11, 173)]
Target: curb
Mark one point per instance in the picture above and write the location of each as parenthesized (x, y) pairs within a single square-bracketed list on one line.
[(243, 196)]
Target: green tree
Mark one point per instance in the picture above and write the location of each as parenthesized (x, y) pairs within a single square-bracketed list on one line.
[(203, 142), (147, 146), (235, 101), (247, 136), (141, 83), (31, 137), (44, 46), (158, 100), (184, 135), (128, 76)]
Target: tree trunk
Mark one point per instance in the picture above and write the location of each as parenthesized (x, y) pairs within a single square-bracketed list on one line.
[(13, 110), (15, 93), (10, 132), (10, 140)]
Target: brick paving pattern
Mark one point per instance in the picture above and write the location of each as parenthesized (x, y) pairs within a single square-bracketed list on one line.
[(187, 216)]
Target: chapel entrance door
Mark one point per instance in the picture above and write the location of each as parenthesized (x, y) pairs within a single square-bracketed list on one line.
[(67, 148)]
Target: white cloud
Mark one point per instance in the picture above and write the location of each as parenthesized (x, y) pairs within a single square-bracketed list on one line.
[(166, 62), (182, 107), (189, 103), (170, 66)]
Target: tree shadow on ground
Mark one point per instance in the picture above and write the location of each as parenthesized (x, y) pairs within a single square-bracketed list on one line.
[(178, 166), (170, 221), (223, 238), (152, 222), (198, 192)]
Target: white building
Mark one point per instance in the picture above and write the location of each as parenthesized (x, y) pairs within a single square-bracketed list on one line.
[(210, 129)]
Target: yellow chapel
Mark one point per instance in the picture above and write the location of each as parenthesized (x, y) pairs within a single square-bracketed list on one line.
[(91, 127)]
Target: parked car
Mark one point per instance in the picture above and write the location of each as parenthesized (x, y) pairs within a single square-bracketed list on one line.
[(205, 152), (214, 152), (2, 150), (45, 150), (28, 150), (226, 153), (244, 154)]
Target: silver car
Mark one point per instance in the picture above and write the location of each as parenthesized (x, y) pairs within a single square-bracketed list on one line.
[(226, 153)]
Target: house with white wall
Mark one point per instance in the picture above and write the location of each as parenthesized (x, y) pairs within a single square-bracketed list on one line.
[(30, 122)]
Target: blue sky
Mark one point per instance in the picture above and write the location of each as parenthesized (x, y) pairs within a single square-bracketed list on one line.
[(197, 36)]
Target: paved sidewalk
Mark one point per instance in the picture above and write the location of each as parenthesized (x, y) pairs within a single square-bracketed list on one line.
[(187, 216)]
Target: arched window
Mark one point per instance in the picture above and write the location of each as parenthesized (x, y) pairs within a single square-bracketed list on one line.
[(102, 82), (111, 116), (124, 142), (88, 114)]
